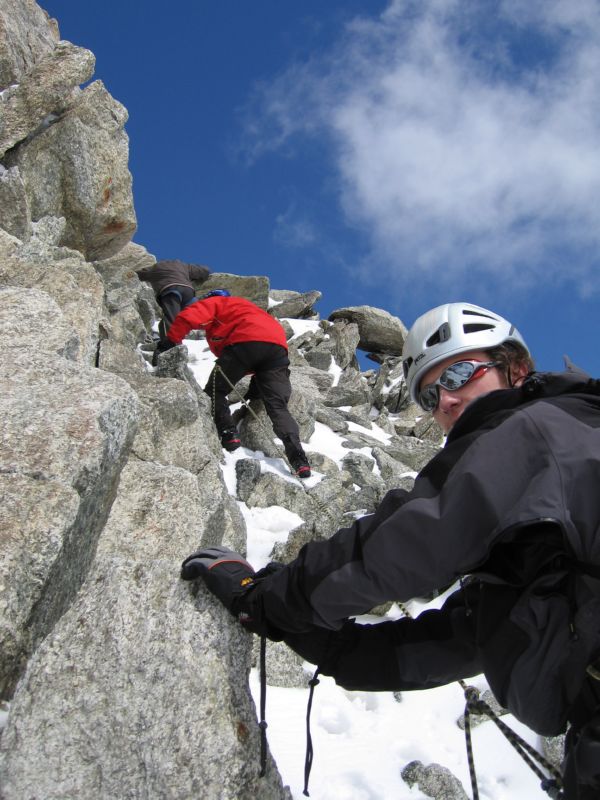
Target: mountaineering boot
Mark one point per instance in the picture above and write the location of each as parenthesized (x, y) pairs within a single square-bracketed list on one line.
[(297, 457), (300, 466), (230, 439)]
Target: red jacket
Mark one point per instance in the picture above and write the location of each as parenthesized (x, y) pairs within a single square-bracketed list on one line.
[(227, 320)]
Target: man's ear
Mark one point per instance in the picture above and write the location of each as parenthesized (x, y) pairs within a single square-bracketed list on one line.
[(518, 373)]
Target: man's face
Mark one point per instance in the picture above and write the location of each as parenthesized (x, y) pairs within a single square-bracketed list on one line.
[(452, 404)]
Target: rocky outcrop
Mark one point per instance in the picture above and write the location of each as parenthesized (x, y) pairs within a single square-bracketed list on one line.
[(66, 430), (75, 166), (44, 92), (120, 680), (298, 305), (26, 36), (64, 151), (252, 287), (379, 331)]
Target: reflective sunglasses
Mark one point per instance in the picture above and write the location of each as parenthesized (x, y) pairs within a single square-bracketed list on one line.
[(452, 378)]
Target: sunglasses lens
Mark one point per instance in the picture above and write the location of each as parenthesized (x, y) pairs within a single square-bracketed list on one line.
[(429, 397), (451, 379), (456, 375)]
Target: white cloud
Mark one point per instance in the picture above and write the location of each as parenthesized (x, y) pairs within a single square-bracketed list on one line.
[(294, 230), (467, 142)]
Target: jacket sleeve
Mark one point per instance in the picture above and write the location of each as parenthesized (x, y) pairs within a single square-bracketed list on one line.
[(442, 529), (198, 315), (432, 650), (198, 273)]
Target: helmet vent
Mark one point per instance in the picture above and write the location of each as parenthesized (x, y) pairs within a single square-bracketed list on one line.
[(478, 313), (441, 335), (474, 327)]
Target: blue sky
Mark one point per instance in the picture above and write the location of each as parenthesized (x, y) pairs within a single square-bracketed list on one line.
[(395, 153)]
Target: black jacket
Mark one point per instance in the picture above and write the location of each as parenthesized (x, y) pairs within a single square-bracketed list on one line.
[(513, 502)]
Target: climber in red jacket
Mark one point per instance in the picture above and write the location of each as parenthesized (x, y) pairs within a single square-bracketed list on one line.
[(246, 341)]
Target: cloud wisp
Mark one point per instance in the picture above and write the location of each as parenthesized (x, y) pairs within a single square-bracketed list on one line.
[(465, 137)]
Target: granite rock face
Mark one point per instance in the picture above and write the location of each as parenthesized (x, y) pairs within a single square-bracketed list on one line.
[(76, 167), (27, 34)]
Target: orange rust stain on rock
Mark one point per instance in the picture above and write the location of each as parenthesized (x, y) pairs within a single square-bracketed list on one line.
[(114, 227), (107, 192), (242, 731)]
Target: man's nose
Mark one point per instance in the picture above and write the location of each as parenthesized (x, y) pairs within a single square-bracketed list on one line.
[(447, 400)]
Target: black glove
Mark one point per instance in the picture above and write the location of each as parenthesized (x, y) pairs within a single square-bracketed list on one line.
[(226, 573), (231, 578), (161, 347), (164, 345)]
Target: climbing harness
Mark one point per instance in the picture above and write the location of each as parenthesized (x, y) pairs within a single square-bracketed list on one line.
[(552, 786)]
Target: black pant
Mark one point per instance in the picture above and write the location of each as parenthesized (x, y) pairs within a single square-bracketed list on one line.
[(270, 382), (172, 300)]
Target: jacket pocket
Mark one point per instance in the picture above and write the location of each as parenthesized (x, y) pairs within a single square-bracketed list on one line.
[(547, 676)]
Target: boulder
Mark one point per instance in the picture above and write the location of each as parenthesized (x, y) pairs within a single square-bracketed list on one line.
[(273, 490), (32, 320), (27, 34), (412, 452), (247, 474), (67, 431), (138, 692), (389, 387), (43, 93), (76, 168), (351, 390), (372, 487), (253, 287), (434, 781), (335, 342), (172, 429), (72, 287), (394, 473), (378, 329), (297, 305), (122, 285)]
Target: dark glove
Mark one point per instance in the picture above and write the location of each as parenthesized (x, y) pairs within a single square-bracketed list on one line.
[(231, 578), (164, 345), (226, 573), (161, 347)]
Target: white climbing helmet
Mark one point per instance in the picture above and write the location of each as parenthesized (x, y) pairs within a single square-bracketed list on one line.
[(449, 330)]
